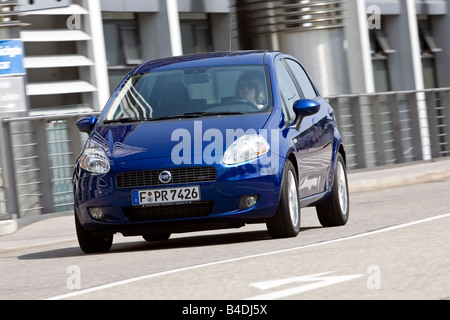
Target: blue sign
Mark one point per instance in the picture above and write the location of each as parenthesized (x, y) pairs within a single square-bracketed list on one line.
[(11, 57)]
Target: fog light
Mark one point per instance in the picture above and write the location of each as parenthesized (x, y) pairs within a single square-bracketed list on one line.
[(248, 202), (97, 213)]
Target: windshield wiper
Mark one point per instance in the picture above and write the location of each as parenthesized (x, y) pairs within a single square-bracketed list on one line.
[(174, 116), (123, 120)]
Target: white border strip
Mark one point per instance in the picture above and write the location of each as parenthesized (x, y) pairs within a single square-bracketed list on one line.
[(149, 276)]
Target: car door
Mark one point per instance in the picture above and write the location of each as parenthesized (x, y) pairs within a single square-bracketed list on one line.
[(320, 154), (312, 139), (302, 136)]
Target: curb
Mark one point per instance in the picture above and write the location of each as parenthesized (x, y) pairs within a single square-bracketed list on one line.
[(397, 181), (8, 227)]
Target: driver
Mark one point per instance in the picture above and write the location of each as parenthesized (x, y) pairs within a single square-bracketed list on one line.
[(250, 88)]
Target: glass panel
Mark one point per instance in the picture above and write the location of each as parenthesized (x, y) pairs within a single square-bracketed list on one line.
[(288, 90), (112, 44), (224, 89), (429, 73), (380, 74), (130, 45), (303, 80), (196, 35), (187, 36)]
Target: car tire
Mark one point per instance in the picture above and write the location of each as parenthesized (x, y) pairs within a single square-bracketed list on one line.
[(156, 237), (91, 243), (335, 210), (286, 222)]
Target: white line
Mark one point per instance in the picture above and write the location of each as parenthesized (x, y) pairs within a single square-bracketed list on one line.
[(321, 282), (149, 276)]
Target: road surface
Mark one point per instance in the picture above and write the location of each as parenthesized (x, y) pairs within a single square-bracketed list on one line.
[(395, 246)]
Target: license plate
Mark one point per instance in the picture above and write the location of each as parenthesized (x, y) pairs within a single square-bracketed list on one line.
[(168, 195)]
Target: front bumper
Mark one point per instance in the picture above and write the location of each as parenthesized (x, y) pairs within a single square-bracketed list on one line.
[(218, 207)]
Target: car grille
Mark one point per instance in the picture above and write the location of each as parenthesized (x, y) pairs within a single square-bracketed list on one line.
[(173, 211), (179, 175)]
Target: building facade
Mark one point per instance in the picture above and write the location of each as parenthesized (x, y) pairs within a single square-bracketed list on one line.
[(141, 29), (77, 51), (64, 55), (355, 46)]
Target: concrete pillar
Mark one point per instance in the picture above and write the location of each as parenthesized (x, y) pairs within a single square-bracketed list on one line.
[(405, 65), (223, 36), (441, 27), (359, 59), (407, 71), (99, 72), (323, 54), (160, 32)]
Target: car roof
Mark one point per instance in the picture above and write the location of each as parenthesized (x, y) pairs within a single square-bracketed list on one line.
[(204, 59)]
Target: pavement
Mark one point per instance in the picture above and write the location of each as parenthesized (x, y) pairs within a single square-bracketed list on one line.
[(59, 227)]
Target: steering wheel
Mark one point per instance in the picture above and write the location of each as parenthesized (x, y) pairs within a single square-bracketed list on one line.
[(242, 101)]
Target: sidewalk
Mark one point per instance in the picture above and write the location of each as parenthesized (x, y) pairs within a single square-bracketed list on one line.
[(58, 227), (399, 175)]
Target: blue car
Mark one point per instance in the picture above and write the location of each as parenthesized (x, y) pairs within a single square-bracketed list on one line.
[(209, 141)]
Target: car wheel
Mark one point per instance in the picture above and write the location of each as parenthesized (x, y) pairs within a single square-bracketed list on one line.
[(335, 210), (91, 243), (156, 237), (286, 222)]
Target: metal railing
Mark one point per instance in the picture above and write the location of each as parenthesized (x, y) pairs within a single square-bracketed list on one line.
[(394, 127), (37, 153), (37, 159)]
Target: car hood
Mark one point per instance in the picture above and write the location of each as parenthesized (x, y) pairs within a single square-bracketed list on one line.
[(187, 137)]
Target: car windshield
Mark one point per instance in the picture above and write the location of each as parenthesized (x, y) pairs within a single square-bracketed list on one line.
[(192, 92)]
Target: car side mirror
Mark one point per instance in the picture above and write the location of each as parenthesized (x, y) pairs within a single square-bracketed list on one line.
[(86, 124), (306, 107)]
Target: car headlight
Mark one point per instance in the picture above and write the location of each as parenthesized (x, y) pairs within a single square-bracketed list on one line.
[(95, 160), (246, 148)]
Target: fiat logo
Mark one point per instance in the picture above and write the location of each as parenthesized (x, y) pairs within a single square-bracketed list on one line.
[(165, 176)]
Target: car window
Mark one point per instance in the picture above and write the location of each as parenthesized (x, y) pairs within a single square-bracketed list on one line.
[(289, 93), (221, 89), (302, 79)]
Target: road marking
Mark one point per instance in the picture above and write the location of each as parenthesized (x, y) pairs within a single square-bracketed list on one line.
[(159, 274), (319, 281)]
